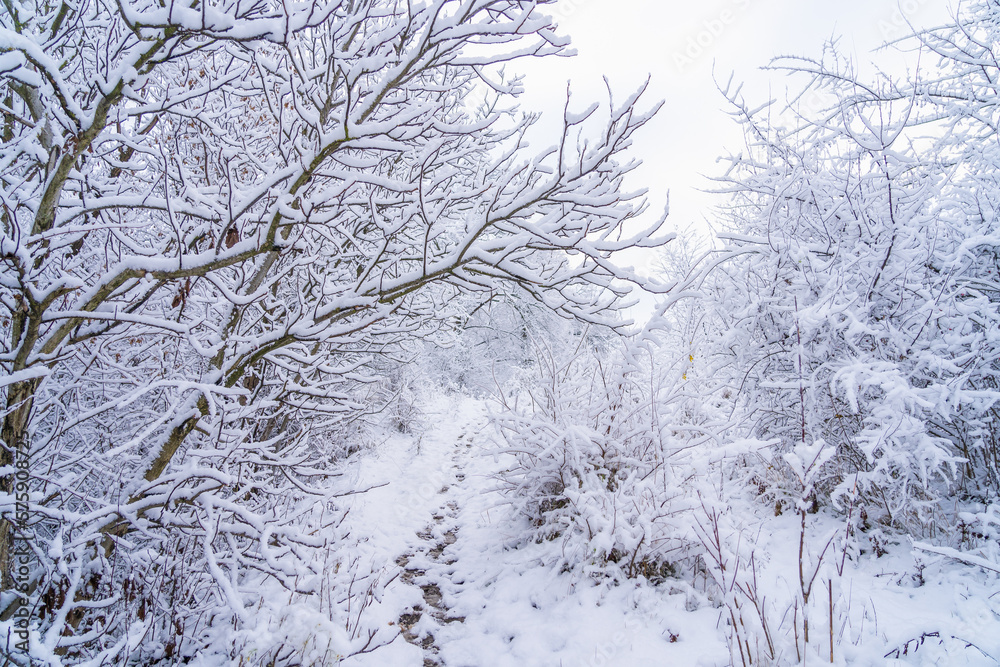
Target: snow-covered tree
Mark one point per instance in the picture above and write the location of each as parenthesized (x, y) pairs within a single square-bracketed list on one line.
[(959, 100), (861, 313), (828, 302), (217, 217)]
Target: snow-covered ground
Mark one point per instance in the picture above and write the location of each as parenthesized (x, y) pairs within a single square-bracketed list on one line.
[(500, 605), (460, 594)]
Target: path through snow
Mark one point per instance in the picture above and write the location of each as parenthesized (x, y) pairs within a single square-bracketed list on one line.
[(462, 596), (455, 592)]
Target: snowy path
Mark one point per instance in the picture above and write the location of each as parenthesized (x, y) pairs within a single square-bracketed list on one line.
[(461, 596)]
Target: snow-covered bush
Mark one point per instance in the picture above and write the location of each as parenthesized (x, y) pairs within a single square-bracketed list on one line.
[(855, 315), (853, 310), (604, 442)]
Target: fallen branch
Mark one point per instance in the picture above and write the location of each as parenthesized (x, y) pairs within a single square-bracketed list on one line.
[(955, 554)]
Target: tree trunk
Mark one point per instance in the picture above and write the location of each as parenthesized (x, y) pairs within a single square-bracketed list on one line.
[(20, 396)]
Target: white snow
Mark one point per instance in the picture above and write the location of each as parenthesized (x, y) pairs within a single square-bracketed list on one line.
[(504, 606)]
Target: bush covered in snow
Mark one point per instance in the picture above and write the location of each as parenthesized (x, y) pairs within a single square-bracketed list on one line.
[(605, 446)]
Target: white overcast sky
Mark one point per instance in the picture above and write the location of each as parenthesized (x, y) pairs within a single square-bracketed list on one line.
[(679, 43)]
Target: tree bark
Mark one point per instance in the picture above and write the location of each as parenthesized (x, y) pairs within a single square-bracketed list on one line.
[(13, 432)]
